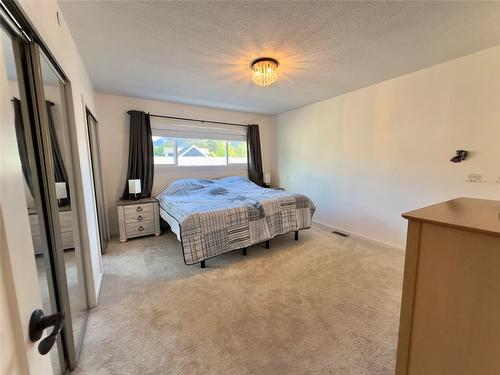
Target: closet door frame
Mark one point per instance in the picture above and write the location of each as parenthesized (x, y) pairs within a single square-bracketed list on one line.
[(95, 155)]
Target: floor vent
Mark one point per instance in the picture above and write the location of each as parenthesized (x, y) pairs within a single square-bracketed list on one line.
[(340, 233)]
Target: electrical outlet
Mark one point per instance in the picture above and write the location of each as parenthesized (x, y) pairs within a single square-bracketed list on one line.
[(498, 180), (474, 177)]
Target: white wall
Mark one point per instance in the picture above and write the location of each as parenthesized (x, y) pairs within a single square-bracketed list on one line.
[(369, 155), (11, 362), (114, 137), (43, 15)]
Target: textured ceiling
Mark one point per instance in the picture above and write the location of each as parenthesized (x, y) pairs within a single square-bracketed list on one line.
[(199, 52)]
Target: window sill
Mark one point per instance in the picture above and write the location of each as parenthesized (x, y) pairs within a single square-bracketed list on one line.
[(191, 168)]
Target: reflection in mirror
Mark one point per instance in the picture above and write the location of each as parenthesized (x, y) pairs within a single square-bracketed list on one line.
[(42, 259), (54, 93), (59, 170)]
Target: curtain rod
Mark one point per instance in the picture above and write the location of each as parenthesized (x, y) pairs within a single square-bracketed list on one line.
[(197, 120)]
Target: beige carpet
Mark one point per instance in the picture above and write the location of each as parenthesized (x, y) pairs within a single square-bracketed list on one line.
[(322, 305)]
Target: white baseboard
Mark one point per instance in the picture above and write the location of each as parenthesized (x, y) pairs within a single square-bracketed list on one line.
[(331, 228)]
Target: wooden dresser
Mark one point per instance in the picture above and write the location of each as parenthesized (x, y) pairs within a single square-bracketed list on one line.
[(138, 218), (450, 308)]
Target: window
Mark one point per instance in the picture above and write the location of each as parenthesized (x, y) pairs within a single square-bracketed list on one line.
[(163, 150), (201, 151), (237, 152), (187, 145)]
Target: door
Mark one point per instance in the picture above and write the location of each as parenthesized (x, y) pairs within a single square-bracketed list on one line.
[(50, 90), (95, 155), (42, 278), (27, 282)]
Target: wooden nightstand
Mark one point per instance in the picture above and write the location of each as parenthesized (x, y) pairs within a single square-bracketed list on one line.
[(138, 218), (65, 224)]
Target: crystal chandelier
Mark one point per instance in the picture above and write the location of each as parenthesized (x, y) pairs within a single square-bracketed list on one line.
[(264, 71)]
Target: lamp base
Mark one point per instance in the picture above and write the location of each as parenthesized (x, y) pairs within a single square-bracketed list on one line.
[(133, 197)]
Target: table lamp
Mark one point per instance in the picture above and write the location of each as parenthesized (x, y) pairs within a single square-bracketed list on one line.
[(134, 187), (267, 179), (61, 192)]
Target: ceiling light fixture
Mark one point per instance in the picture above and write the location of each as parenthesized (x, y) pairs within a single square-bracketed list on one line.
[(264, 71)]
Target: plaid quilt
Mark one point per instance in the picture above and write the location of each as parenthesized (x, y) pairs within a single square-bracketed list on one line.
[(218, 216)]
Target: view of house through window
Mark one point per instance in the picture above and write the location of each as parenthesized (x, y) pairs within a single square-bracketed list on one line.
[(198, 152)]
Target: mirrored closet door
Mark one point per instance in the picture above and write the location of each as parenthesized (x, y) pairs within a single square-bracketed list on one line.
[(51, 92), (38, 186), (19, 159)]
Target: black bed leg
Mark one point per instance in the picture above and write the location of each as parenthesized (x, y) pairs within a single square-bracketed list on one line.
[(267, 244), (245, 251), (296, 235), (202, 264)]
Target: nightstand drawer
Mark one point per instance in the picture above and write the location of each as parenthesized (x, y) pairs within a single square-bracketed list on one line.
[(67, 240), (37, 244), (66, 221), (135, 217), (143, 209), (139, 229), (35, 228)]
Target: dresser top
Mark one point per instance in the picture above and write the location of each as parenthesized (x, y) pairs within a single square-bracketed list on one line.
[(479, 215), (128, 202)]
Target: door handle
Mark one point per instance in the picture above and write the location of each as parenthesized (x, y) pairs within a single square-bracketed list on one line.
[(39, 322)]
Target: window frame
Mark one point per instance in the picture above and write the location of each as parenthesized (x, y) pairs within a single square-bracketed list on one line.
[(174, 131)]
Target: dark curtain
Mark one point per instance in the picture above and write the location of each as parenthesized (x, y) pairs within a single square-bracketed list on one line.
[(60, 174), (21, 143), (255, 173), (140, 154)]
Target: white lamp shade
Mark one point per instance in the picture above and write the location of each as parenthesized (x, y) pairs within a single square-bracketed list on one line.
[(267, 178), (61, 191), (134, 186)]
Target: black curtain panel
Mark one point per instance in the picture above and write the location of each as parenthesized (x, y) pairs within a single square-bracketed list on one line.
[(60, 174), (255, 173), (21, 143), (140, 154)]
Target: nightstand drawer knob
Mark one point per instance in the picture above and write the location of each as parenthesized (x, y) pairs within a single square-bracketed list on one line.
[(141, 228), (139, 209), (140, 218)]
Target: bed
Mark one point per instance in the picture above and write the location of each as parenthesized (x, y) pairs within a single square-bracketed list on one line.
[(213, 217)]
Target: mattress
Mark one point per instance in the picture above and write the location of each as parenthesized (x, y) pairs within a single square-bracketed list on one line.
[(174, 225), (213, 217)]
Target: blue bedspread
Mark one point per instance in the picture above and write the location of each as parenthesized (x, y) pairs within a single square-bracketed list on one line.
[(218, 216)]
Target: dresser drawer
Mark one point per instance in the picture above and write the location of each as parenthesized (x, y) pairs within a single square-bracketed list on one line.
[(140, 228), (143, 209)]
